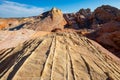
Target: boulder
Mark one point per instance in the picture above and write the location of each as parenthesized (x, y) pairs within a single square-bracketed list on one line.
[(104, 14)]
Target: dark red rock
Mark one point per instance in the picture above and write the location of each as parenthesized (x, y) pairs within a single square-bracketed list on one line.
[(105, 14), (108, 35)]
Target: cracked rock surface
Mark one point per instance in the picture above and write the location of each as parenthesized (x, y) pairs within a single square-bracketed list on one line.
[(59, 56)]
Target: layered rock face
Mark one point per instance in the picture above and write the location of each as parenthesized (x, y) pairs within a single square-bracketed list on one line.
[(61, 56)]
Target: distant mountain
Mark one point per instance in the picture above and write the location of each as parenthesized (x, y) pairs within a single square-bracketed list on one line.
[(44, 22), (54, 18)]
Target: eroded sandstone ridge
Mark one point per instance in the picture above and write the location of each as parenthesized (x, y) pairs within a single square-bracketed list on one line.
[(59, 56)]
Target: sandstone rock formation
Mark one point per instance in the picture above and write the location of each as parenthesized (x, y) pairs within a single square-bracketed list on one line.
[(78, 20), (109, 36), (48, 21), (15, 23), (44, 22), (4, 23), (13, 38), (59, 56), (84, 18), (85, 12), (56, 21)]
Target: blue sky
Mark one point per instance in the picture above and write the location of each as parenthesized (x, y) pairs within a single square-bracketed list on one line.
[(25, 8)]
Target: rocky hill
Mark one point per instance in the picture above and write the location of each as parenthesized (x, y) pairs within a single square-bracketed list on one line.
[(57, 46)]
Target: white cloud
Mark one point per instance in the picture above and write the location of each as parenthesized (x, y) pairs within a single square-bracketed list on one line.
[(14, 9)]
